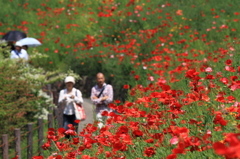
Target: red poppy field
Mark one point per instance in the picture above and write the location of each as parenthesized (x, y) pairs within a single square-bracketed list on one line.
[(179, 62)]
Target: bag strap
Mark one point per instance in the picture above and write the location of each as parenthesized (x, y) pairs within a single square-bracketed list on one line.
[(76, 92), (16, 53), (101, 91)]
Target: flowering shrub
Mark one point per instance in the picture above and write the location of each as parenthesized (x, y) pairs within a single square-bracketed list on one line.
[(21, 92)]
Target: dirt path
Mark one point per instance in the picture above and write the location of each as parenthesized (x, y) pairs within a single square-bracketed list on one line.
[(88, 107)]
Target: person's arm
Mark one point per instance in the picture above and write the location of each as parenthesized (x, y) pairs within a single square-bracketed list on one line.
[(25, 54), (78, 98), (62, 98), (109, 94), (95, 99)]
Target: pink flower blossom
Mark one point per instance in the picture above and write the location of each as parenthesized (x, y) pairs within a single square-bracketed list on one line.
[(174, 140), (151, 78), (209, 132), (209, 69)]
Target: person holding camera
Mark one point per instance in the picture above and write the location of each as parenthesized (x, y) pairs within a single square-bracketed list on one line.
[(68, 97)]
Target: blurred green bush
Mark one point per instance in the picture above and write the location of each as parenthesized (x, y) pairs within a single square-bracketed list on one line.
[(21, 94)]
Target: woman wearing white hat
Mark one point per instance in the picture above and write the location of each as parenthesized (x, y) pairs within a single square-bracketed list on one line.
[(19, 52), (67, 97)]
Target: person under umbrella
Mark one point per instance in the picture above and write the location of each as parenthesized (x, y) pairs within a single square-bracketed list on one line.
[(25, 47), (19, 52), (10, 43), (29, 42), (12, 36)]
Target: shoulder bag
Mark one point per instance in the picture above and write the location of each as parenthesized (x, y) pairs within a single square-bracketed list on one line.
[(79, 110)]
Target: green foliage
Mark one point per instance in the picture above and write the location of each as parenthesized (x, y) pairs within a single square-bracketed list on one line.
[(19, 102), (21, 92)]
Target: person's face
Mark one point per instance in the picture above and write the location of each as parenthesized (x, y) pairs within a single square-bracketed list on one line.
[(24, 47), (18, 48), (100, 80), (69, 85)]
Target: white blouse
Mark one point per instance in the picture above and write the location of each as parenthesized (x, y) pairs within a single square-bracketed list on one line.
[(68, 102), (22, 54)]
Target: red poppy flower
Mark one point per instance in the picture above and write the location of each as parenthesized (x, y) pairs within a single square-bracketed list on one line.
[(172, 156), (61, 130), (60, 145), (224, 80), (233, 78), (192, 74), (230, 69), (228, 62), (180, 149), (149, 151), (71, 132), (119, 146), (35, 157), (46, 146), (108, 154), (136, 77), (104, 113), (75, 140), (122, 130), (126, 86), (231, 98), (230, 147), (149, 140), (137, 133), (16, 157), (220, 120), (77, 121), (117, 101)]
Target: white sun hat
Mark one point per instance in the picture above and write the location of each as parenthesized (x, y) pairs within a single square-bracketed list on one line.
[(69, 79), (18, 44)]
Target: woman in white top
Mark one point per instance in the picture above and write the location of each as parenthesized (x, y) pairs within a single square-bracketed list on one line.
[(67, 97)]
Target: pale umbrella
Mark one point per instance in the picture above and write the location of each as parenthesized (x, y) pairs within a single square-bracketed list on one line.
[(31, 42)]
